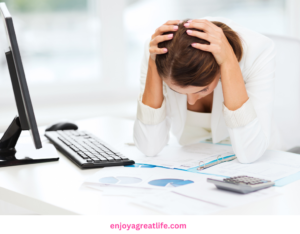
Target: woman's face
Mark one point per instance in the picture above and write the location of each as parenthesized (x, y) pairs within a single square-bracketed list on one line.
[(194, 93)]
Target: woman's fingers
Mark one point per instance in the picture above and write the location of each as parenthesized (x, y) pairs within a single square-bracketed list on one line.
[(161, 38), (201, 35), (167, 28), (201, 46), (157, 37), (153, 44), (164, 28), (156, 50), (210, 48), (210, 33), (206, 22), (199, 25)]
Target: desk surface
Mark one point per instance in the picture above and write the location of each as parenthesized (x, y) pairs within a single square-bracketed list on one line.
[(56, 187)]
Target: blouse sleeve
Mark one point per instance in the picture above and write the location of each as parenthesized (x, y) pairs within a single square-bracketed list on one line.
[(152, 126), (249, 126)]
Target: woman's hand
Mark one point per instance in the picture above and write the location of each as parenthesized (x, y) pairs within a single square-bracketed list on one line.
[(219, 45), (233, 85), (153, 93), (157, 37)]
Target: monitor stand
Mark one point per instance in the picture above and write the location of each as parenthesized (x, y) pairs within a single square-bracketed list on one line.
[(8, 151)]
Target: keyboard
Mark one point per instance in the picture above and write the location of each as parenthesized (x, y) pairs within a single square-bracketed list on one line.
[(86, 150)]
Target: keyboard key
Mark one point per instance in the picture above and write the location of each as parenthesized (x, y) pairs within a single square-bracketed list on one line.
[(80, 147), (124, 157), (64, 141), (117, 159), (74, 148), (83, 155)]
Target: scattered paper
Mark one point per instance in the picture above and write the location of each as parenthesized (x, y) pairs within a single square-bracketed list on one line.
[(123, 191), (209, 193), (188, 156), (200, 199), (273, 165), (175, 204), (149, 178)]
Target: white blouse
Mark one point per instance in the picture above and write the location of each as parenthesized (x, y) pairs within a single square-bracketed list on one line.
[(251, 128), (197, 127)]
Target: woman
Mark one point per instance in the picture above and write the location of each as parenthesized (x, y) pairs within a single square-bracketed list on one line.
[(208, 77)]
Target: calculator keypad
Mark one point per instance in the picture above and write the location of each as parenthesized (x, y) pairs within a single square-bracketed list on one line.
[(245, 180)]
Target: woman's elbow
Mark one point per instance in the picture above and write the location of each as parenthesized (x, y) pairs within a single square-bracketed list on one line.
[(150, 140), (148, 148), (252, 152)]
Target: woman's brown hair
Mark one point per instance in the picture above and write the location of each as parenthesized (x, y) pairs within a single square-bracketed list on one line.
[(188, 66)]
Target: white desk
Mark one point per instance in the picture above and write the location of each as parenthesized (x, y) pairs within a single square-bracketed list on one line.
[(56, 187)]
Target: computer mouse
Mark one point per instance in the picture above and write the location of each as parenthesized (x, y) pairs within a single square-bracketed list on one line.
[(62, 126)]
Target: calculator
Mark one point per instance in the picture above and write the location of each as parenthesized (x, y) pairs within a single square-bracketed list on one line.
[(241, 184)]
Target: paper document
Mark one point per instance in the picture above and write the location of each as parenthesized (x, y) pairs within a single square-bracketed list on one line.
[(175, 204), (200, 199), (147, 178), (123, 191), (273, 165), (209, 193), (187, 157)]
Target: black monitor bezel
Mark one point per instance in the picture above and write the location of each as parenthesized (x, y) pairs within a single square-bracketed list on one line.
[(30, 122)]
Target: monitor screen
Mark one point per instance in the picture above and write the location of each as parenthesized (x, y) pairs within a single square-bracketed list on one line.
[(21, 92)]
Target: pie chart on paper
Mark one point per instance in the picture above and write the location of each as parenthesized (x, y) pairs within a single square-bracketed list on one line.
[(120, 180), (170, 182)]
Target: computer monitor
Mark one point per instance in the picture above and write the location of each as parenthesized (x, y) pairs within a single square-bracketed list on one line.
[(26, 119)]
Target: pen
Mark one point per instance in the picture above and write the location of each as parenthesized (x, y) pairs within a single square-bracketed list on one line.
[(215, 162)]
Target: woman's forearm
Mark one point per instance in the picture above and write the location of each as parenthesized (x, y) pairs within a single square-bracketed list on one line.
[(233, 86), (153, 93)]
